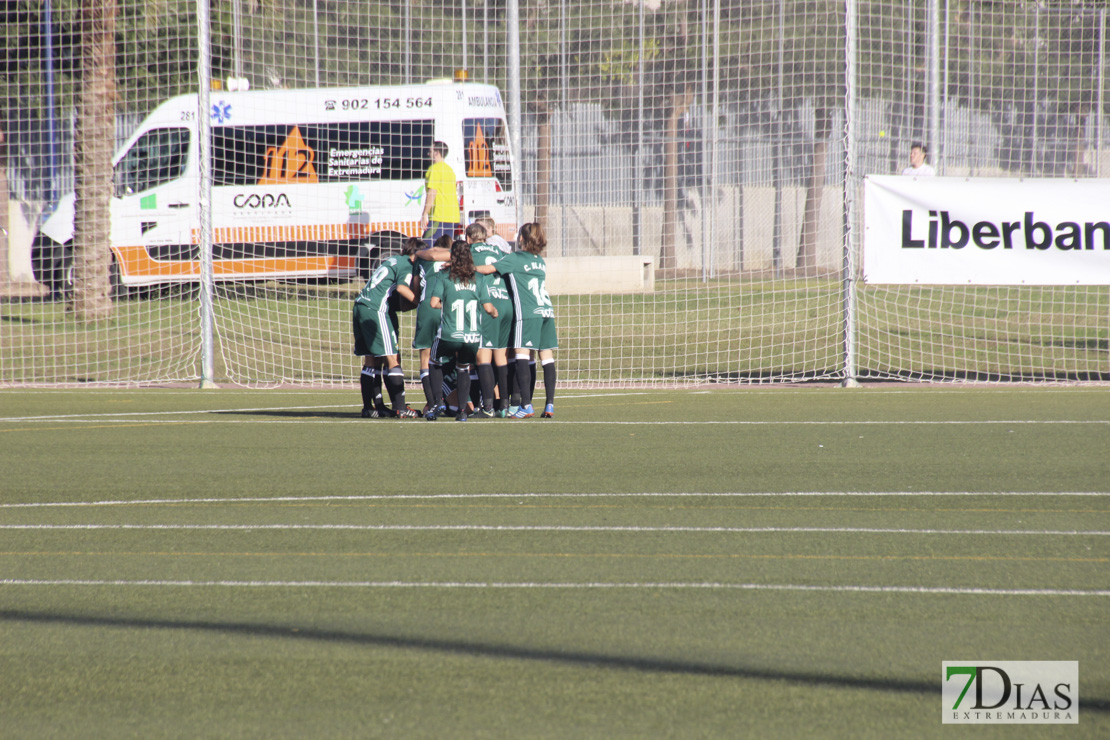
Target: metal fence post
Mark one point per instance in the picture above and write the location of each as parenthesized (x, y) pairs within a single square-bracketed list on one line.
[(515, 116), (933, 34), (1101, 87)]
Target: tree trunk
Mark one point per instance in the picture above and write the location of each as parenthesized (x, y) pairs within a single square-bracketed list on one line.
[(806, 260), (5, 227), (94, 141), (1080, 149), (543, 163), (668, 246)]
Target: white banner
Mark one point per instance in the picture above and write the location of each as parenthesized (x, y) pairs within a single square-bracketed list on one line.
[(986, 231)]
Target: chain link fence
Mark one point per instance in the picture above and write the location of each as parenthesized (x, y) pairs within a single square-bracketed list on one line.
[(722, 142)]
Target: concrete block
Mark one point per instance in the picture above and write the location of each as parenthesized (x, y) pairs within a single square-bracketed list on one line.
[(592, 275)]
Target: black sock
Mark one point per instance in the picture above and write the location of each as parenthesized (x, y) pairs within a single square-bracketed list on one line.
[(532, 380), (435, 382), (463, 389), (376, 387), (514, 386), (502, 373), (426, 381), (395, 384), (485, 380), (366, 385), (549, 381), (475, 390), (523, 373)]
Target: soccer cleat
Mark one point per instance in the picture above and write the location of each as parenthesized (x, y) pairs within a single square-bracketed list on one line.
[(366, 414), (513, 410), (430, 414), (523, 412), (548, 411), (501, 413), (406, 413), (482, 414), (461, 416)]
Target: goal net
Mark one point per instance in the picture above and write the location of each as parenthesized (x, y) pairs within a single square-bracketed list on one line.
[(697, 165)]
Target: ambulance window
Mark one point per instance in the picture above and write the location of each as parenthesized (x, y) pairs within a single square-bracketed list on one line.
[(156, 157), (374, 150), (486, 142), (320, 152), (240, 154)]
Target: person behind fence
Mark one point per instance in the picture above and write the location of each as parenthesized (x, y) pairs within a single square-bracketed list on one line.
[(441, 203), (458, 294), (918, 166), (374, 322)]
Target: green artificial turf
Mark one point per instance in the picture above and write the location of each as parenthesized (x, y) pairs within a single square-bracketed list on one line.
[(686, 330), (267, 564)]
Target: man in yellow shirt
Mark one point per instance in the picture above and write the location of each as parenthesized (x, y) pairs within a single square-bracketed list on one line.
[(441, 205)]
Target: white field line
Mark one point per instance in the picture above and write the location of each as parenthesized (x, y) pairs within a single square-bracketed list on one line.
[(546, 528), (173, 417), (526, 496), (590, 390), (941, 590)]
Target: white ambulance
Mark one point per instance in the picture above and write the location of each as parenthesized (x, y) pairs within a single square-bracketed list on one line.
[(314, 183)]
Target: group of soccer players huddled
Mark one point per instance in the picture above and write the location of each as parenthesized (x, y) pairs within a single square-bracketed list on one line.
[(476, 301)]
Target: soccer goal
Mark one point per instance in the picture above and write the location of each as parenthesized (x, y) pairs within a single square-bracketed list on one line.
[(184, 205)]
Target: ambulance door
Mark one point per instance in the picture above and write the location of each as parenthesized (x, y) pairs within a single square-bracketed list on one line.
[(154, 206)]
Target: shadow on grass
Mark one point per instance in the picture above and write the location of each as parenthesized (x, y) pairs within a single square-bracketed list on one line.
[(354, 413), (512, 652)]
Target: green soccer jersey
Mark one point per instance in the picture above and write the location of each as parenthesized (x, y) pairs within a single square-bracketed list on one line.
[(487, 254), (390, 273), (527, 276), (431, 272), (460, 320)]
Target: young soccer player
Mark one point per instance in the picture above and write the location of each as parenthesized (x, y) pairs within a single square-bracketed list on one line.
[(458, 297), (493, 352), (493, 359), (374, 322), (428, 271), (534, 316)]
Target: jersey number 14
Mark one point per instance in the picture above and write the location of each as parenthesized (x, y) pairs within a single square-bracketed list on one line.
[(539, 290)]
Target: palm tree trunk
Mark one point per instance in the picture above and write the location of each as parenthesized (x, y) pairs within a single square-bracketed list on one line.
[(95, 139), (5, 227), (667, 249), (1079, 150)]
